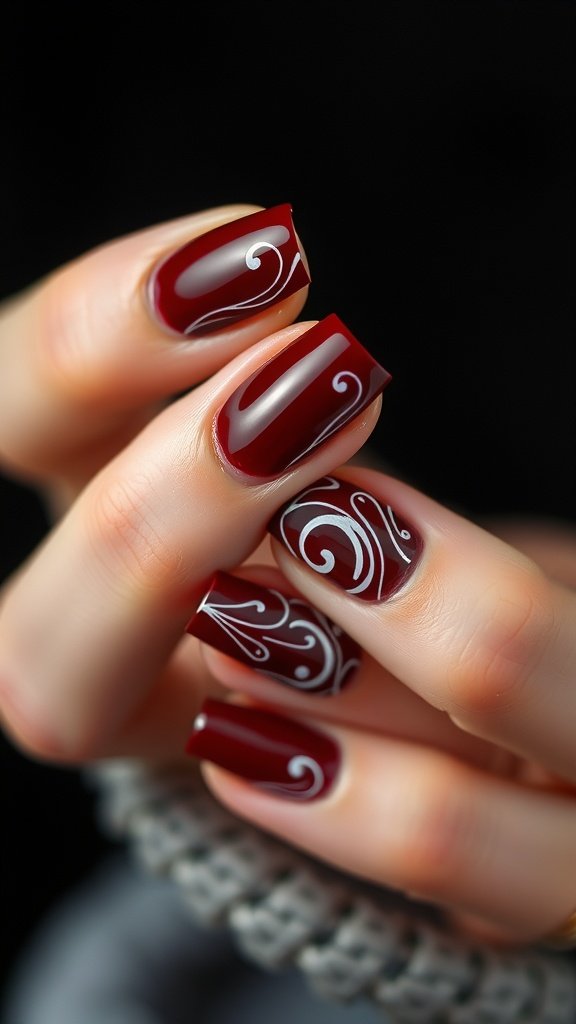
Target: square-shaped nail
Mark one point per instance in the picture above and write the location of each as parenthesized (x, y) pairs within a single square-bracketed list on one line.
[(229, 274), (279, 635), (349, 536), (275, 753), (298, 400)]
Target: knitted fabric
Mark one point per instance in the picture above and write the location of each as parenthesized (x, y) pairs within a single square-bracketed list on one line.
[(284, 908)]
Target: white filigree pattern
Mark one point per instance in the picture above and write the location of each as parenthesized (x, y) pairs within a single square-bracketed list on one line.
[(341, 385), (259, 640), (369, 556), (254, 302)]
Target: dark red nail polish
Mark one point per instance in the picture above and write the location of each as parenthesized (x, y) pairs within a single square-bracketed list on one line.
[(349, 536), (282, 637), (298, 399), (275, 753), (229, 274)]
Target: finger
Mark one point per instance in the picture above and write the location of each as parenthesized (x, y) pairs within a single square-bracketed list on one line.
[(160, 723), (549, 543), (397, 814), (90, 623), (133, 322), (269, 644), (470, 624)]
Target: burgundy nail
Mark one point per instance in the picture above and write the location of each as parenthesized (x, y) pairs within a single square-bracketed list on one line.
[(278, 754), (298, 399), (229, 274), (282, 637), (349, 536)]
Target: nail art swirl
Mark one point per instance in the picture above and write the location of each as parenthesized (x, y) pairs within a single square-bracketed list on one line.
[(283, 637), (298, 768), (341, 384), (250, 305), (346, 534)]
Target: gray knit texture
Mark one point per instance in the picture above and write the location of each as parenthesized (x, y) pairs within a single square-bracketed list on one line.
[(286, 909)]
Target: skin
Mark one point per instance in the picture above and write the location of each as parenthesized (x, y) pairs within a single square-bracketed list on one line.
[(459, 766)]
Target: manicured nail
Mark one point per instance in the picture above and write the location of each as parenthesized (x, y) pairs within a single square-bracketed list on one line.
[(282, 637), (349, 536), (297, 400), (275, 753), (229, 274)]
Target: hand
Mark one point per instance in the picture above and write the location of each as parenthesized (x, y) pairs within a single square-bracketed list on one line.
[(157, 492), (446, 766)]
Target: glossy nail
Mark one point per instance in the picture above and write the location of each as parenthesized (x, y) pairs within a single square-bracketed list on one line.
[(275, 753), (352, 538), (229, 274), (283, 637), (297, 400)]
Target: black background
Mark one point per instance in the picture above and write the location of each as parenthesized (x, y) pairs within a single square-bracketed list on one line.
[(428, 152)]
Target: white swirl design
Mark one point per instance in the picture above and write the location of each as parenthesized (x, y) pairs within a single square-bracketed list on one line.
[(369, 556), (254, 302), (297, 768), (340, 384), (258, 648)]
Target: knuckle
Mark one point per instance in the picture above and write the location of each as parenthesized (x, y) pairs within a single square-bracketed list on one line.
[(515, 625), (438, 821), (127, 533)]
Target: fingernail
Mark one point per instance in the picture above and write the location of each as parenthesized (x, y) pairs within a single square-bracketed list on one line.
[(229, 274), (275, 753), (297, 400), (283, 637), (352, 538)]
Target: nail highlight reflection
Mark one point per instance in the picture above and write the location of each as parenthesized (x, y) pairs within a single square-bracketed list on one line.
[(298, 400)]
